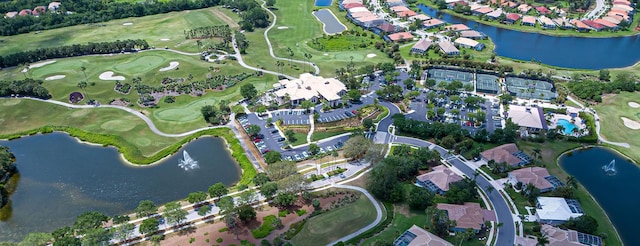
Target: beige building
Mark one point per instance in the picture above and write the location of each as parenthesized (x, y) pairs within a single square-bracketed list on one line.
[(417, 236), (467, 216), (311, 88)]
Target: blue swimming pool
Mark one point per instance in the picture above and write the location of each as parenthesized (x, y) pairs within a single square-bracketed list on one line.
[(568, 126), (323, 3)]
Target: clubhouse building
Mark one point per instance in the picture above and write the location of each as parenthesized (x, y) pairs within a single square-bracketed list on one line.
[(311, 88)]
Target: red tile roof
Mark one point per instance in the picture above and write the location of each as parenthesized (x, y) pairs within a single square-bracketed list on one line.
[(543, 10), (606, 23), (353, 5), (502, 153), (580, 25), (594, 25), (400, 35), (513, 16), (407, 13), (24, 12)]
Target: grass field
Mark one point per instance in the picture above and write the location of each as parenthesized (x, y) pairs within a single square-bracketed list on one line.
[(154, 28), (330, 226), (403, 219), (611, 126), (550, 153)]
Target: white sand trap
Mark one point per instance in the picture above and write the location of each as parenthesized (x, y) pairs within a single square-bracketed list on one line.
[(35, 65), (164, 39), (631, 124), (127, 24), (634, 105), (371, 55), (172, 66), (108, 75), (56, 77), (325, 54), (283, 27)]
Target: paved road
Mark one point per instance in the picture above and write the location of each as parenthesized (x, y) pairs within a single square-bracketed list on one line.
[(597, 11), (369, 226), (506, 233)]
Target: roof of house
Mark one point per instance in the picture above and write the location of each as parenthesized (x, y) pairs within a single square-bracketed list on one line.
[(524, 8), (361, 14), (466, 42), (562, 22), (457, 27), (447, 47), (358, 9), (555, 208), (593, 24), (622, 2), (433, 22), (510, 4), (546, 21), (619, 12), (496, 13), (351, 1), (513, 16), (527, 116), (526, 241), (422, 44), (469, 215), (53, 5), (560, 237), (386, 27), (407, 13), (484, 10), (11, 14), (368, 18), (543, 10), (422, 237), (471, 34), (460, 2), (626, 8), (440, 176), (580, 25), (529, 19), (400, 35), (420, 17), (352, 5), (39, 9), (606, 23), (309, 86), (503, 153), (533, 175), (613, 19), (24, 12), (399, 8)]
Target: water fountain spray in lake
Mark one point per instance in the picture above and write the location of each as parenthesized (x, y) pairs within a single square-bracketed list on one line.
[(187, 163), (610, 169)]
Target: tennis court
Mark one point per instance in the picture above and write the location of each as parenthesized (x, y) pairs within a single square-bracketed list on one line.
[(487, 83), (529, 83), (530, 88), (445, 75)]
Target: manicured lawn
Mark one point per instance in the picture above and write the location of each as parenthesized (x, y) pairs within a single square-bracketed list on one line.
[(550, 153), (152, 28), (322, 135), (330, 226), (301, 138), (402, 220), (612, 128), (519, 200)]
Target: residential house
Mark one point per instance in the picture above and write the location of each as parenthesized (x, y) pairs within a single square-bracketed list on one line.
[(467, 216), (352, 5), (433, 23), (482, 11), (370, 21), (546, 22), (524, 8), (621, 2), (581, 27), (536, 176), (594, 25), (11, 14), (457, 27), (39, 10), (617, 12), (495, 14), (388, 28), (469, 43), (448, 48), (558, 11), (358, 9), (625, 8), (529, 118), (53, 6), (421, 17), (393, 3), (397, 9), (24, 12), (510, 4), (452, 5), (437, 181), (400, 37), (407, 13), (421, 46), (416, 236), (563, 23), (507, 153), (557, 210), (352, 1), (472, 34), (529, 20), (560, 237), (543, 10), (512, 18), (606, 23), (613, 19), (311, 88)]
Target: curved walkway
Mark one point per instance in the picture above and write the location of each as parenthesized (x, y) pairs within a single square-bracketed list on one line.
[(242, 63), (597, 121), (369, 226), (266, 37)]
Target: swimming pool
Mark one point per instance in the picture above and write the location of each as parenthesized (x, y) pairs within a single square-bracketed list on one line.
[(323, 3), (568, 126)]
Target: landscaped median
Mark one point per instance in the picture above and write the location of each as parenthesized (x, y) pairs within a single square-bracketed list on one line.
[(133, 155)]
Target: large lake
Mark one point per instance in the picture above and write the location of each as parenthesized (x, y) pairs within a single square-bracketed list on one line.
[(60, 178), (569, 52), (619, 194)]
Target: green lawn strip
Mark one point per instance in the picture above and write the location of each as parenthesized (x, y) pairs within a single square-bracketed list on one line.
[(400, 223), (266, 228), (322, 135), (339, 222), (385, 113), (550, 153), (301, 138), (491, 174), (612, 127), (519, 200), (537, 28)]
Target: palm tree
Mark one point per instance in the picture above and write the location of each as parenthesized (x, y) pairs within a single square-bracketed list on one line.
[(82, 85), (572, 182), (543, 240), (83, 68)]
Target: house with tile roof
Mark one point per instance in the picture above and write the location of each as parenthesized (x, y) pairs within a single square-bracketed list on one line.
[(468, 43), (433, 23), (416, 236), (437, 181), (528, 20), (400, 37), (546, 22), (472, 34), (421, 46), (512, 18), (536, 176), (467, 216), (448, 48), (508, 153)]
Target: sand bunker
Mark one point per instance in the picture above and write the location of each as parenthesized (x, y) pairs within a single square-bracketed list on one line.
[(325, 54), (631, 124), (56, 77), (371, 55), (164, 39), (108, 75), (283, 27), (35, 65), (634, 105), (127, 24), (172, 66)]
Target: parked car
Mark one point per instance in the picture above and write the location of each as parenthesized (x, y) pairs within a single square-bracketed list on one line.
[(329, 148), (280, 139), (274, 131), (306, 154)]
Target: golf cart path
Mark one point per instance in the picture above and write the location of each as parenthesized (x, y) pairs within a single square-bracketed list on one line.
[(369, 226), (597, 121)]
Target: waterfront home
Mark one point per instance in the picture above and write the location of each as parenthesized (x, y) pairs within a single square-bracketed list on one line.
[(311, 88), (529, 20), (560, 237), (621, 2), (437, 181), (617, 12), (539, 177), (421, 46), (528, 118), (433, 23), (606, 23), (452, 5), (613, 19), (581, 27), (421, 17), (543, 10), (11, 14), (416, 236), (369, 21), (469, 43), (467, 216), (457, 27), (399, 37), (546, 23), (563, 23), (512, 18), (482, 11), (495, 14), (448, 48), (594, 25), (407, 13), (397, 9), (472, 34), (392, 3), (557, 210), (625, 8), (524, 8), (507, 153)]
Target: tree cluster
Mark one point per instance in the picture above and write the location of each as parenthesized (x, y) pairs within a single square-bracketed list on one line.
[(205, 32), (7, 168), (593, 90), (25, 57), (75, 12), (216, 115), (26, 87)]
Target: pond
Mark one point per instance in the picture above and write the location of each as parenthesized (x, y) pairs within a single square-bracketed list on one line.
[(323, 3), (618, 195), (569, 52), (61, 178)]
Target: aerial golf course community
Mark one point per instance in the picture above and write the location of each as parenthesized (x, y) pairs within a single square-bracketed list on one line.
[(319, 122)]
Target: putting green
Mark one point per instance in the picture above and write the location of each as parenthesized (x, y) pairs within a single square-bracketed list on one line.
[(189, 112), (143, 141), (80, 112), (61, 66), (140, 64), (11, 102), (346, 56), (117, 125)]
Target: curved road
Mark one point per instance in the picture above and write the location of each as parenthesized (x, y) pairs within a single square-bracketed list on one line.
[(597, 119), (369, 226)]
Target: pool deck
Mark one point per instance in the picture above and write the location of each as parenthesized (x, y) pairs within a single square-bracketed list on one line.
[(576, 121)]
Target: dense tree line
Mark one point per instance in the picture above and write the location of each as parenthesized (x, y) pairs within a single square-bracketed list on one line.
[(253, 16), (222, 31), (87, 11), (40, 54), (7, 168), (593, 90), (27, 87)]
